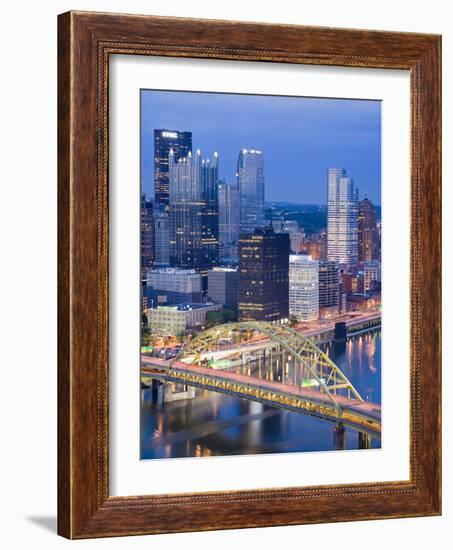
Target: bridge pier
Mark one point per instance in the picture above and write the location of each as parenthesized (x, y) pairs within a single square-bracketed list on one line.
[(178, 392), (157, 388), (339, 437), (364, 441), (341, 332)]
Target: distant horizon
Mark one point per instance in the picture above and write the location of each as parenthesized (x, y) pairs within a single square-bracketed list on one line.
[(148, 196), (300, 137), (309, 203)]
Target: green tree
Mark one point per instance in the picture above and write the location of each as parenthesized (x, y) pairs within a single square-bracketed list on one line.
[(146, 336), (214, 318), (229, 315)]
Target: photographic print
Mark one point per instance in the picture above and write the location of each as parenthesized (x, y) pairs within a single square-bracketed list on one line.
[(260, 274)]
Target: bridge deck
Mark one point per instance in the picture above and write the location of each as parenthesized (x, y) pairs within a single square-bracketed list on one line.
[(357, 414)]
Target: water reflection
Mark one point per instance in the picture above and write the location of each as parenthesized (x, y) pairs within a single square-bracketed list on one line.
[(215, 424)]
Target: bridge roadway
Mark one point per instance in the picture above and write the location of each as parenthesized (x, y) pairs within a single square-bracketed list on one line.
[(351, 319), (361, 416)]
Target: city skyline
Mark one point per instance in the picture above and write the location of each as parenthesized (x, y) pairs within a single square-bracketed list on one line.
[(308, 136), (250, 310)]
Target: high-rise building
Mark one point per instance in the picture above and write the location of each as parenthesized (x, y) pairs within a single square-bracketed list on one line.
[(223, 287), (161, 238), (263, 275), (368, 232), (342, 218), (164, 140), (194, 214), (146, 236), (171, 286), (228, 220), (303, 288), (250, 175), (329, 285)]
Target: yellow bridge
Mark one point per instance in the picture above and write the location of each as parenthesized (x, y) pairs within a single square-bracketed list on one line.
[(213, 358)]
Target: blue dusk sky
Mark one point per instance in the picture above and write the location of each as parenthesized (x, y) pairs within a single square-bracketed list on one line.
[(300, 138)]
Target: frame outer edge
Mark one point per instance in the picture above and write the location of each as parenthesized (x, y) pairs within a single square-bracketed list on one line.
[(82, 511), (64, 527), (433, 139)]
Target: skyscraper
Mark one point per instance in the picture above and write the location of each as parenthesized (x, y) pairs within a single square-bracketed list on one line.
[(164, 140), (161, 238), (250, 174), (368, 232), (263, 275), (194, 217), (228, 220), (342, 218), (146, 236), (303, 288), (329, 285)]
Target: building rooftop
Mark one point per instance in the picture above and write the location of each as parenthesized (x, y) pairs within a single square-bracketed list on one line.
[(224, 269), (173, 271), (186, 307)]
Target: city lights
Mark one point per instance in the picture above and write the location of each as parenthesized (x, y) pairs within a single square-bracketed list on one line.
[(247, 301)]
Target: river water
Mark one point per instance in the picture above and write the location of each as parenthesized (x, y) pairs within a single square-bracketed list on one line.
[(214, 424)]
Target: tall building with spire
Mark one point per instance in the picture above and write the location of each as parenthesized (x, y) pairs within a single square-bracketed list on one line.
[(194, 213), (342, 218), (164, 140), (250, 176), (368, 232)]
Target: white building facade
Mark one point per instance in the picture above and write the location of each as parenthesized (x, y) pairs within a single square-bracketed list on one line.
[(303, 287), (172, 285), (174, 320), (342, 218)]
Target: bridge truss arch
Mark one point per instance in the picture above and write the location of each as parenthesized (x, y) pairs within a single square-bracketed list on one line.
[(319, 371)]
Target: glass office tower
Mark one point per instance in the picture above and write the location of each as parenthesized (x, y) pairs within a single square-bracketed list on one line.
[(194, 211), (164, 140), (250, 175), (263, 291), (228, 220)]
